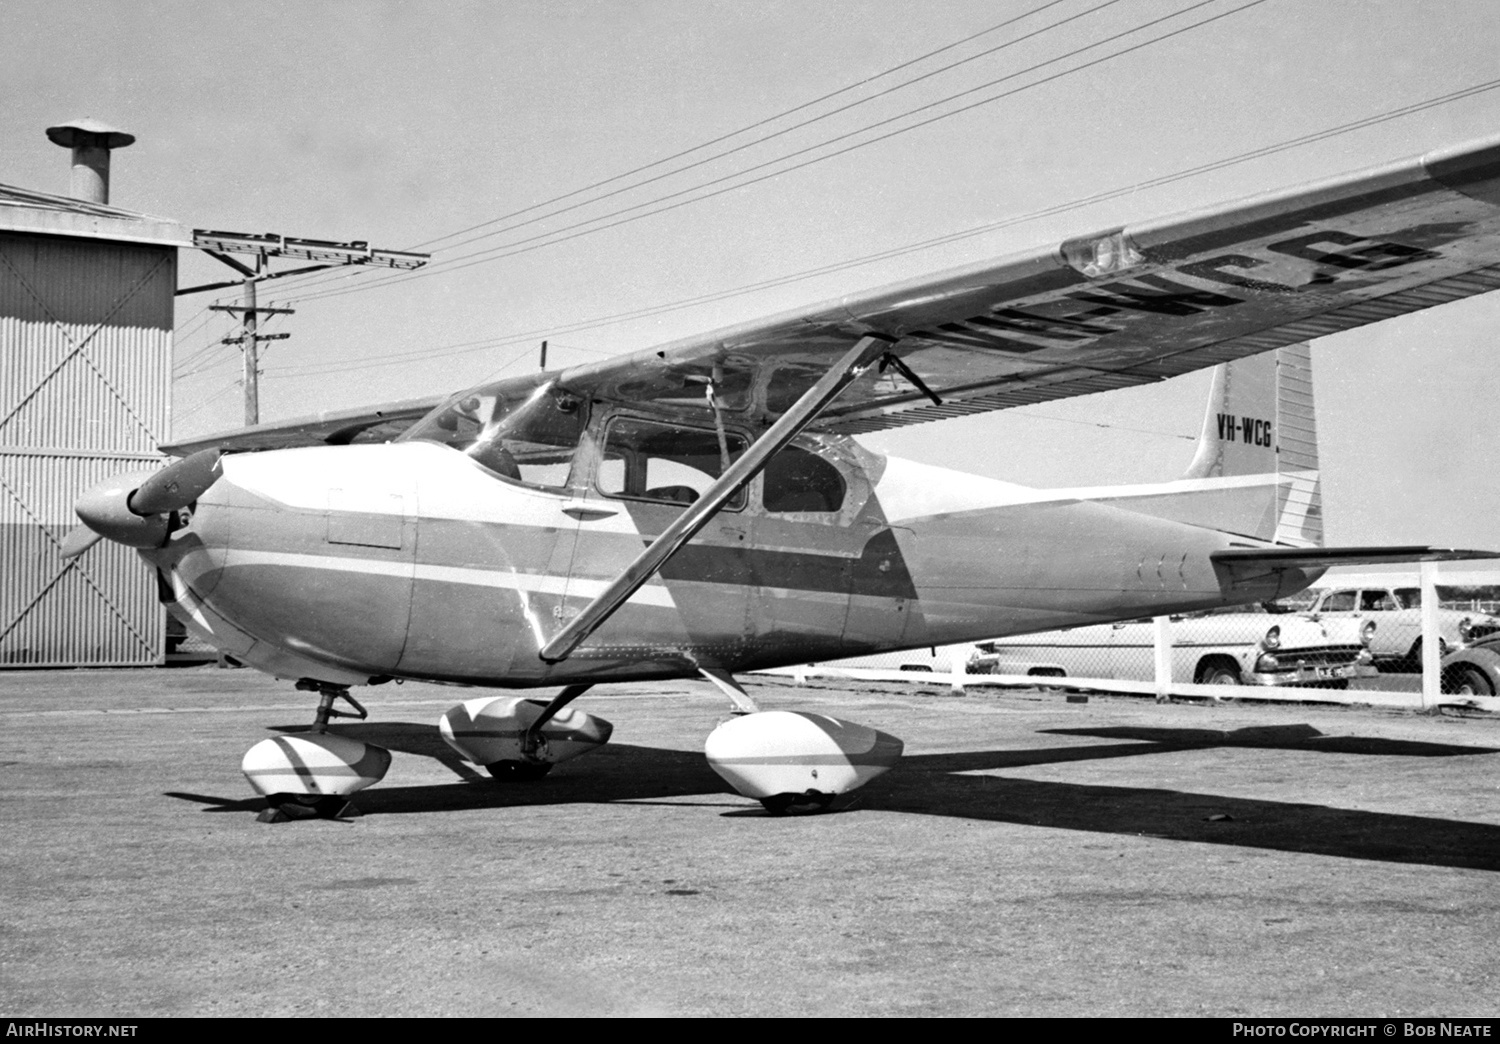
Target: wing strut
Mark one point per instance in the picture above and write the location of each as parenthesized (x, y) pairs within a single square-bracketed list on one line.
[(847, 370)]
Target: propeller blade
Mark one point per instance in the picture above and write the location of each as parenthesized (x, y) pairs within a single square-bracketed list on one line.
[(178, 484), (79, 540)]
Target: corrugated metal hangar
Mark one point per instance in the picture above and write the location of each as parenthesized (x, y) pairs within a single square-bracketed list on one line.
[(86, 320)]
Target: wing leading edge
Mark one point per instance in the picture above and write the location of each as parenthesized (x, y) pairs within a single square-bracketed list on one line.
[(1117, 308)]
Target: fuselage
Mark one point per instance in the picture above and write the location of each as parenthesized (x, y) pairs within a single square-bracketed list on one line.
[(357, 563)]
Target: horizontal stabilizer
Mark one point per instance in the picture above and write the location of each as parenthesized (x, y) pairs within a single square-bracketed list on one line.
[(1325, 557)]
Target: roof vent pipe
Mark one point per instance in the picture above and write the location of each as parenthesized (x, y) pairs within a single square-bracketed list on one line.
[(91, 142)]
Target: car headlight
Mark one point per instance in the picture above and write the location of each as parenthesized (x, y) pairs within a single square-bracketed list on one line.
[(1465, 628), (1272, 640), (1367, 632)]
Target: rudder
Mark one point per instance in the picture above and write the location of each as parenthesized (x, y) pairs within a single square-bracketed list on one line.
[(1261, 422)]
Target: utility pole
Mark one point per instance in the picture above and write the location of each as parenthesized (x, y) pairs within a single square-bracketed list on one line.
[(326, 254), (250, 342)]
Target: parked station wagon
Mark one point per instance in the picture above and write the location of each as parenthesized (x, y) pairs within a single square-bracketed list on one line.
[(1397, 612)]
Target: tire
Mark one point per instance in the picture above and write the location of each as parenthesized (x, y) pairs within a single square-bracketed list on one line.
[(517, 771), (793, 804), (1218, 672), (1413, 661), (1465, 679)]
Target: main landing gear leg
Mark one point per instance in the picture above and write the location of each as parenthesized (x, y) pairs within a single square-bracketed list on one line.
[(535, 756), (311, 775), (726, 684)]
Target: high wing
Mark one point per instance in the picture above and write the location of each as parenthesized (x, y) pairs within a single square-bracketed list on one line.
[(332, 428), (1116, 308)]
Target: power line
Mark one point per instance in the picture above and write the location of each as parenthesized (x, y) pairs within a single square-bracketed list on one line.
[(750, 127), (326, 278), (530, 244), (796, 126), (942, 240), (231, 386)]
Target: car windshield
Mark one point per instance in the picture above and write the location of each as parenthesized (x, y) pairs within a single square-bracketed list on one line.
[(531, 439)]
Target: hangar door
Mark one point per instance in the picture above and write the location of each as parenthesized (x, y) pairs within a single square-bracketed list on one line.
[(85, 356)]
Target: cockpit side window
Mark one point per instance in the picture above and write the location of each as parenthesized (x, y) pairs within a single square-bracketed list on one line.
[(796, 480), (531, 439), (649, 460)]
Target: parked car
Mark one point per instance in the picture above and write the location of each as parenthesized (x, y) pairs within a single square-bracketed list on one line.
[(1397, 612), (1255, 645), (1475, 669)]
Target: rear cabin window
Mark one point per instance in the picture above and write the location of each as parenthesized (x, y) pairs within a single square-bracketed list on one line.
[(797, 480), (648, 460)]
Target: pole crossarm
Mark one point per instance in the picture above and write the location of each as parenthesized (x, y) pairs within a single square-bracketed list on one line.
[(356, 252), (258, 337), (263, 309)]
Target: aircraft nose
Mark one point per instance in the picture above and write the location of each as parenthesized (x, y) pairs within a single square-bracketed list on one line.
[(133, 508), (105, 511)]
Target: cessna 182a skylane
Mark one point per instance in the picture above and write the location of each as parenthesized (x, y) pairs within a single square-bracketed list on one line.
[(702, 509)]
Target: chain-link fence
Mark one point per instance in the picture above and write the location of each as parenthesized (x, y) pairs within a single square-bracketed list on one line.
[(1363, 637)]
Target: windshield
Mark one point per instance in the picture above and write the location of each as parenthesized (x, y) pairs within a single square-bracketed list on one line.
[(531, 439)]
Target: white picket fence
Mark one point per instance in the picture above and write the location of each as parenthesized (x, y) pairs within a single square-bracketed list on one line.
[(948, 665)]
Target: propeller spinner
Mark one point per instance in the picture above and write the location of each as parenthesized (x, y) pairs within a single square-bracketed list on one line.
[(132, 508)]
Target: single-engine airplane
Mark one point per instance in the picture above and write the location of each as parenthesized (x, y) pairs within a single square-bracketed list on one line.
[(703, 509)]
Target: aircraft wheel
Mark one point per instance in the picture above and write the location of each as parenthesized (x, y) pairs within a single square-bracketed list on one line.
[(797, 804), (1467, 680), (517, 771), (285, 807)]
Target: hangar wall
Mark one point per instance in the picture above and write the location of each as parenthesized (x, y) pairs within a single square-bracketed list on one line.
[(85, 371)]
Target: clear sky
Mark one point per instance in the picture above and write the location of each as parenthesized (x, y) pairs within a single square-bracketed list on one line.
[(400, 123)]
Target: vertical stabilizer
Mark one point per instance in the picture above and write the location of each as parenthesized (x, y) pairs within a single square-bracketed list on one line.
[(1260, 423), (1255, 472)]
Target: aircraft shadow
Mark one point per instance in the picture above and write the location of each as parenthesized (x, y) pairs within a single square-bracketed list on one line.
[(958, 784)]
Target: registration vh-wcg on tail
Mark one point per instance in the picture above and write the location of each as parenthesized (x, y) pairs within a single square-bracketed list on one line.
[(703, 508)]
